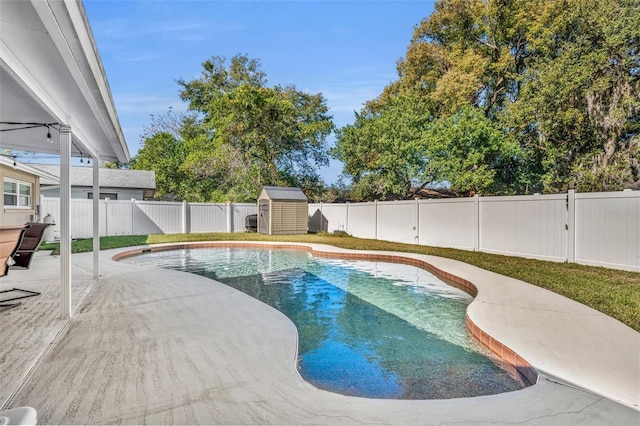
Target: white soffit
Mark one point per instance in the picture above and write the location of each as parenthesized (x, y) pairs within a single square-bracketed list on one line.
[(50, 72)]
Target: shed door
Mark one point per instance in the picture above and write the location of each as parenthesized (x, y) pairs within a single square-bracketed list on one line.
[(263, 217)]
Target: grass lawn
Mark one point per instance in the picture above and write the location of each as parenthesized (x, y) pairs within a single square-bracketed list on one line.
[(615, 293)]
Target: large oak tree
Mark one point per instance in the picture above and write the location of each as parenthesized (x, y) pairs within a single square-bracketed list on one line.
[(240, 135), (561, 79)]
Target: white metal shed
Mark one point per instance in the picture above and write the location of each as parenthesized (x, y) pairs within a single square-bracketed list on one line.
[(282, 211)]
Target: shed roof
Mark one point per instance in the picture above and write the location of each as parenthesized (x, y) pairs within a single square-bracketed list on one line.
[(111, 178), (282, 193)]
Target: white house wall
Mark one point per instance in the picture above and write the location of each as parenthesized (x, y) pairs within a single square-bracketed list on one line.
[(11, 216)]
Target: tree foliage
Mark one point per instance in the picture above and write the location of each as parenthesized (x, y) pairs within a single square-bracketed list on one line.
[(559, 79), (113, 165), (583, 96), (469, 152), (164, 154), (381, 150), (238, 136)]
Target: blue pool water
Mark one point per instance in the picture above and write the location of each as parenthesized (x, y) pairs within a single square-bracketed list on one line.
[(369, 329)]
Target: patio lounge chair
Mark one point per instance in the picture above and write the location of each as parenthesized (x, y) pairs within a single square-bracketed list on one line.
[(30, 243), (10, 239)]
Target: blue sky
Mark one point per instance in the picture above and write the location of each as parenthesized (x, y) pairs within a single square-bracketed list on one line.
[(346, 50)]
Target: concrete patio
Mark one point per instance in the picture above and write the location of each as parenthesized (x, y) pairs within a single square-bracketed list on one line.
[(160, 346)]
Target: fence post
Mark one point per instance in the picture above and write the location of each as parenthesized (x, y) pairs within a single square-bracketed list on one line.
[(571, 226), (417, 228), (95, 202), (229, 217), (476, 223), (184, 217), (375, 219), (106, 216), (346, 224), (133, 216)]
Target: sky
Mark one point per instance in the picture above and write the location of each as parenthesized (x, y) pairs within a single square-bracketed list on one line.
[(345, 49)]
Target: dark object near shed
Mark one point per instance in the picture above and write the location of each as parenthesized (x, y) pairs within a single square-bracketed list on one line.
[(30, 243), (251, 223)]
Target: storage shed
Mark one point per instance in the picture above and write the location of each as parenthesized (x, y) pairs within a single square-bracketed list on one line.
[(282, 211)]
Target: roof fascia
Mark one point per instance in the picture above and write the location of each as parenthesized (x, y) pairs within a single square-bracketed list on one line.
[(29, 169), (60, 32)]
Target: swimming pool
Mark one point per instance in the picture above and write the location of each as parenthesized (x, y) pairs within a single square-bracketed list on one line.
[(369, 329)]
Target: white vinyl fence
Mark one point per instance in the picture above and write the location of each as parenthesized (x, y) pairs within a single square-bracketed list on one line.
[(607, 229), (137, 217), (601, 229)]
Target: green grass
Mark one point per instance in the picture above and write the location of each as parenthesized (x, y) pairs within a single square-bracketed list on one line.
[(615, 293)]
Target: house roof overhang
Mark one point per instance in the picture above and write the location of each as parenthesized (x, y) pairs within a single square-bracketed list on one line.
[(7, 162), (51, 73)]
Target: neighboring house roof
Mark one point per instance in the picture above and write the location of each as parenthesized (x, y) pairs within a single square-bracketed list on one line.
[(8, 162), (281, 193), (109, 178), (431, 193)]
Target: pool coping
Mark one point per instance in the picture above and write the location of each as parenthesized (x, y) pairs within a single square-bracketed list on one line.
[(235, 356), (513, 352)]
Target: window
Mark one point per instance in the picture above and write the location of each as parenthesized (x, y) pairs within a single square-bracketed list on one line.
[(17, 194), (104, 195)]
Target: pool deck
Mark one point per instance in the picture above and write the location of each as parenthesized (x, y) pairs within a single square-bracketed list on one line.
[(160, 346)]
